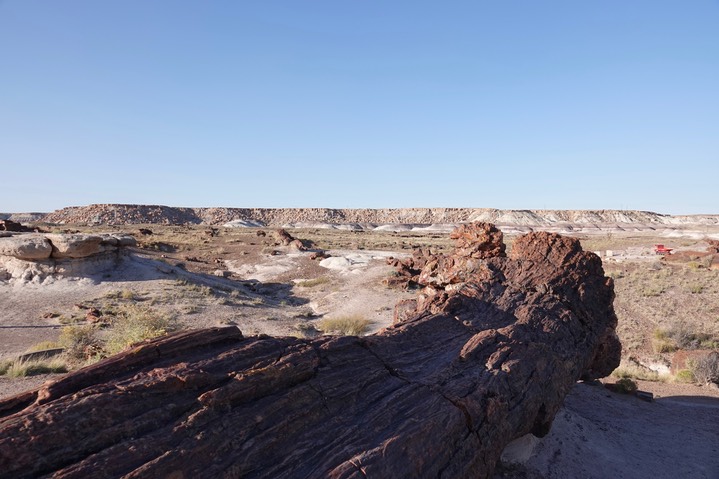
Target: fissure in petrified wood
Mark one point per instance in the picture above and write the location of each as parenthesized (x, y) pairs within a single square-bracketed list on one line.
[(484, 355)]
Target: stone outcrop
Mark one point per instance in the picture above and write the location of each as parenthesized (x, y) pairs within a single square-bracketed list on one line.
[(35, 256), (283, 238), (29, 248), (485, 355), (9, 225)]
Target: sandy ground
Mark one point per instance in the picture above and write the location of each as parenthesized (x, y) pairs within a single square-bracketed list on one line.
[(600, 434), (270, 298)]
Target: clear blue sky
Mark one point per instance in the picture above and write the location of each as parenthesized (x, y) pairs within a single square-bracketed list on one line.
[(506, 104)]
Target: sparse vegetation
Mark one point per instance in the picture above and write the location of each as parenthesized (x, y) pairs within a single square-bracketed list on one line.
[(344, 325), (135, 323), (632, 371), (625, 386), (311, 283), (706, 369), (19, 369), (43, 345), (685, 376), (80, 342), (662, 343)]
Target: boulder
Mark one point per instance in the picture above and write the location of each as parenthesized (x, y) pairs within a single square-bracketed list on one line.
[(26, 247), (74, 245), (484, 358), (478, 240), (8, 225)]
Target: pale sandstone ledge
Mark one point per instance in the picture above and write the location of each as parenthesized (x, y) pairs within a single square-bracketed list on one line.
[(35, 256)]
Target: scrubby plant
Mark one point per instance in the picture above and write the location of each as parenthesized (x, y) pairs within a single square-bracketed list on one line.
[(135, 323), (311, 283), (80, 342), (651, 291), (634, 372), (625, 386), (345, 325), (685, 376), (706, 369), (662, 343)]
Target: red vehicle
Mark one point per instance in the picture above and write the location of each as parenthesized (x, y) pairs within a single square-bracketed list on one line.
[(660, 249)]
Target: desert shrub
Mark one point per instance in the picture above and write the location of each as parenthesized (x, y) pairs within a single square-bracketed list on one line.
[(685, 376), (80, 342), (311, 283), (662, 342), (706, 369), (625, 386), (344, 325), (651, 291), (696, 288), (120, 294), (135, 323), (681, 336), (4, 366)]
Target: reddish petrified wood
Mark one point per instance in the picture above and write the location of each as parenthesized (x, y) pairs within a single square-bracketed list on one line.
[(487, 354)]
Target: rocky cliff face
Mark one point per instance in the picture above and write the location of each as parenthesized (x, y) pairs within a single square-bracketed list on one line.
[(136, 214), (492, 347)]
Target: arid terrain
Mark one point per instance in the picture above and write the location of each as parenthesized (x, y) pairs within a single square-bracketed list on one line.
[(196, 268)]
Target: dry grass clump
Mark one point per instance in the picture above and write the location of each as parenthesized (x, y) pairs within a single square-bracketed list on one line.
[(311, 283), (344, 325), (19, 368), (43, 345), (632, 371)]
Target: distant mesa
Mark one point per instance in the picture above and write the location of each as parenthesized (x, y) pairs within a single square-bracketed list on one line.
[(389, 219)]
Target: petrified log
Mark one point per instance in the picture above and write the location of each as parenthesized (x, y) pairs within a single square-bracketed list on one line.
[(493, 347)]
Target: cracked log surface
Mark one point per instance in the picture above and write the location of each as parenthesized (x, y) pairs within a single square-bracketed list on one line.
[(484, 355)]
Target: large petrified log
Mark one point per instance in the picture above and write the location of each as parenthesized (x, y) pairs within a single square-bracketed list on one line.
[(493, 346)]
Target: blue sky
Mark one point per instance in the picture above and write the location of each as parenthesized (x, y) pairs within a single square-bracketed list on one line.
[(504, 104)]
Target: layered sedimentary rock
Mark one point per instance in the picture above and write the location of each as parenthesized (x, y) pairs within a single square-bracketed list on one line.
[(362, 218), (487, 354), (35, 256)]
